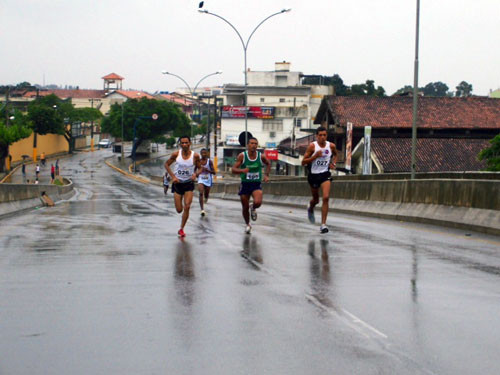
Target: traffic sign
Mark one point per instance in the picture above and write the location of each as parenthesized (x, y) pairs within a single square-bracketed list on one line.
[(154, 116)]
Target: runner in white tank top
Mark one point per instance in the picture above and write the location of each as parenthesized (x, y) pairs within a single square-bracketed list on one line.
[(186, 169), (205, 179), (321, 156)]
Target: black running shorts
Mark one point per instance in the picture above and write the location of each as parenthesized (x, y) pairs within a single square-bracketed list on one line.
[(316, 179), (182, 187), (247, 188)]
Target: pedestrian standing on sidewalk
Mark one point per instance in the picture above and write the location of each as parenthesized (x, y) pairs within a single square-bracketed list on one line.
[(37, 171), (52, 173), (187, 164), (23, 169), (42, 158), (57, 167), (166, 183)]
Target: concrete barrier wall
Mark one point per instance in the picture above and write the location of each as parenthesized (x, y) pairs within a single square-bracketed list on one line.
[(482, 194), (17, 197)]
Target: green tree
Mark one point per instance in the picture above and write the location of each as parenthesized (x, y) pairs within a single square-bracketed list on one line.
[(438, 89), (407, 89), (17, 129), (170, 119), (492, 155), (464, 89)]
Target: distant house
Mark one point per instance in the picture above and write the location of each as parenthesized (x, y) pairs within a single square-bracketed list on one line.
[(186, 104), (451, 131)]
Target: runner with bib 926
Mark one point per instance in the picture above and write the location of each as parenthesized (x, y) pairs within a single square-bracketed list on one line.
[(187, 165), (249, 166)]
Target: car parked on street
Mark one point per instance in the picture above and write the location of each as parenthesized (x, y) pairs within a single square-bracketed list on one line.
[(105, 143)]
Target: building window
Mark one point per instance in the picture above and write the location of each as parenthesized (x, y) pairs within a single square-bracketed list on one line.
[(282, 100), (272, 125), (297, 122), (262, 100)]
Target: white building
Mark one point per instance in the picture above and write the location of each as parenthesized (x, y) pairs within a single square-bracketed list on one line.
[(279, 107)]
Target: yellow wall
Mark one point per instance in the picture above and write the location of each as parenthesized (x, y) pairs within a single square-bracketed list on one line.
[(49, 143)]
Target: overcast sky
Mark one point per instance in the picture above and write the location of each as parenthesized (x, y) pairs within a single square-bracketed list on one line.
[(76, 42)]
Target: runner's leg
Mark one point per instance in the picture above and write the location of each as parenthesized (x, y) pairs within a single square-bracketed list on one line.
[(315, 197), (207, 192), (245, 205), (257, 198), (325, 187), (178, 202), (201, 189), (188, 198)]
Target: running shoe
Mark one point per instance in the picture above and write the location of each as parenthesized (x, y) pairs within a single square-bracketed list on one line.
[(253, 213), (202, 213), (248, 229), (181, 233), (323, 228), (310, 215)]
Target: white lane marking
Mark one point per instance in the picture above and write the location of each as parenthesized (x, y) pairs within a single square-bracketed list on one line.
[(347, 317), (363, 323)]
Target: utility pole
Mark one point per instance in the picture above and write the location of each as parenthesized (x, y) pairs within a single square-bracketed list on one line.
[(123, 139), (415, 100), (207, 141)]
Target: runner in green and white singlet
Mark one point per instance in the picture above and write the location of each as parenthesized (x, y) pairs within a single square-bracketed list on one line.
[(249, 166)]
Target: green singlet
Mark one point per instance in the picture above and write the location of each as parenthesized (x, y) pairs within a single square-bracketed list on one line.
[(255, 168)]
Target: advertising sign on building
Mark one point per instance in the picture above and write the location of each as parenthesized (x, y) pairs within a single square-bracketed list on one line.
[(271, 154), (230, 111), (367, 161), (232, 140)]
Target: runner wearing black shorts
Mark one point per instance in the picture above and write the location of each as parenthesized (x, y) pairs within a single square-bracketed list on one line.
[(320, 156), (187, 164), (249, 166)]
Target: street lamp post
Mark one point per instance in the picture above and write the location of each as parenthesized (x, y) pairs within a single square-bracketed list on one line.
[(245, 47), (415, 99), (189, 87)]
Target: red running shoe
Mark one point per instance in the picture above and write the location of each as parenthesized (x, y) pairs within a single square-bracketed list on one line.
[(181, 233)]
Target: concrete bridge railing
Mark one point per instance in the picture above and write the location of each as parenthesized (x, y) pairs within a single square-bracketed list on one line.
[(461, 203)]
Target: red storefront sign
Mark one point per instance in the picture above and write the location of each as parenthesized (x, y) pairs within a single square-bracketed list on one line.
[(271, 154)]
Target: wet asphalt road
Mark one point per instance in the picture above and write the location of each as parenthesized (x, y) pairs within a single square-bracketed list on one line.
[(102, 285)]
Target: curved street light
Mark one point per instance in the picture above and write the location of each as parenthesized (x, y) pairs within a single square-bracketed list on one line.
[(245, 47), (189, 87)]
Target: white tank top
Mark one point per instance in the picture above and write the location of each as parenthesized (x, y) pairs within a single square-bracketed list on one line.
[(205, 175), (184, 169), (321, 164)]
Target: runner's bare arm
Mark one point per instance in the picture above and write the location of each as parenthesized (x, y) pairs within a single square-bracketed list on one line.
[(333, 162), (236, 167), (308, 156), (168, 163), (268, 167), (197, 166), (212, 169)]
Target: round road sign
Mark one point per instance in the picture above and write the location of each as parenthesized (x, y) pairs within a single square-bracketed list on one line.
[(154, 116)]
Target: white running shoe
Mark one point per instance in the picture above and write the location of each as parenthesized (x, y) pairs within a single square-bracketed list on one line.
[(248, 229), (253, 213), (323, 228), (202, 213)]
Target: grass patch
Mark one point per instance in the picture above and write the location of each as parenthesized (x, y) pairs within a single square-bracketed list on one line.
[(58, 182)]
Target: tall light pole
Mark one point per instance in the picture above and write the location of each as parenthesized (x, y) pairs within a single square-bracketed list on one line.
[(415, 99), (245, 48), (189, 87)]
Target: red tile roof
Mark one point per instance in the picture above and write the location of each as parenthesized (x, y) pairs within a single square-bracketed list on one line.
[(113, 76), (433, 154), (64, 94), (397, 112), (132, 94)]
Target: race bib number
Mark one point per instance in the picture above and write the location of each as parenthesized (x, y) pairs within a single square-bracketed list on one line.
[(253, 176), (183, 173), (321, 163), (205, 177)]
